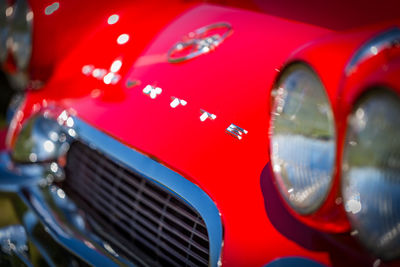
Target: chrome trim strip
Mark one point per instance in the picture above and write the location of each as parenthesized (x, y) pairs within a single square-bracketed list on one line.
[(385, 40), (69, 237), (162, 175)]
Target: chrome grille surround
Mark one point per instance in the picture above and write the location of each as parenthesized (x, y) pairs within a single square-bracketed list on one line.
[(176, 193), (132, 213)]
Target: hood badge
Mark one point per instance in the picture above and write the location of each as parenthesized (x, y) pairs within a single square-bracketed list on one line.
[(199, 42)]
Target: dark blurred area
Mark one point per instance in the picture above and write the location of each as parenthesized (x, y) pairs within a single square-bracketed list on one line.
[(335, 15), (6, 93)]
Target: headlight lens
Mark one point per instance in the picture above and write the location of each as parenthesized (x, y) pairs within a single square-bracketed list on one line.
[(303, 140), (42, 139), (21, 33), (371, 172), (16, 22)]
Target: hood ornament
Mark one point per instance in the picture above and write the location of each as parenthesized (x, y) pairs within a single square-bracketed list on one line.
[(199, 42)]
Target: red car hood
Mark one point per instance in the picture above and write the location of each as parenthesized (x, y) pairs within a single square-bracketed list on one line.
[(231, 82)]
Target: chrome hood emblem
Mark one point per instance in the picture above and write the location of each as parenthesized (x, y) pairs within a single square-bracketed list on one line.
[(199, 42)]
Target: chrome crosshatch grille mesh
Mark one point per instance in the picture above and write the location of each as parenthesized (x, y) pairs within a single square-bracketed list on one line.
[(139, 219)]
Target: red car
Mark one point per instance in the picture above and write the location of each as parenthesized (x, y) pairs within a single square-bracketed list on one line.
[(192, 133)]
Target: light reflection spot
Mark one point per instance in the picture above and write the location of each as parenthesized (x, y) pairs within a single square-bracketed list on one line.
[(70, 122), (29, 16), (277, 168), (99, 73), (9, 11), (32, 157), (353, 143), (109, 248), (48, 146), (87, 69), (90, 245), (61, 193), (72, 132), (52, 8), (113, 19), (54, 167), (354, 233), (353, 206), (123, 39), (377, 263), (53, 136), (360, 113), (374, 50), (62, 117), (108, 78), (116, 66)]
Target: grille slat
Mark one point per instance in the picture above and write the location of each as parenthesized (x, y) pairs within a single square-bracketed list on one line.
[(133, 214), (149, 215), (134, 182), (109, 176), (161, 254), (152, 197)]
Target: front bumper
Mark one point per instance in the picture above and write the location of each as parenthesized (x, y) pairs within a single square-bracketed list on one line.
[(51, 228), (55, 226)]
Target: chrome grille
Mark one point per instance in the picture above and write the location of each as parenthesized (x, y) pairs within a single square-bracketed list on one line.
[(141, 220)]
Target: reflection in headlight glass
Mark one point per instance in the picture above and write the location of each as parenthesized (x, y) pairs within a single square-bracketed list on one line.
[(302, 139)]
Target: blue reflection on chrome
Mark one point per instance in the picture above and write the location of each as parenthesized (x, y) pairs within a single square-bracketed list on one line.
[(373, 47), (14, 242), (293, 261)]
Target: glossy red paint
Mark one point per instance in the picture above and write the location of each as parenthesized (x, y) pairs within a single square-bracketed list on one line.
[(232, 82), (58, 34)]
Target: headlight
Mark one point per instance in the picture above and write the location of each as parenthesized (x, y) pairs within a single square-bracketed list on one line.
[(303, 140), (43, 138), (20, 39), (16, 22), (371, 172)]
